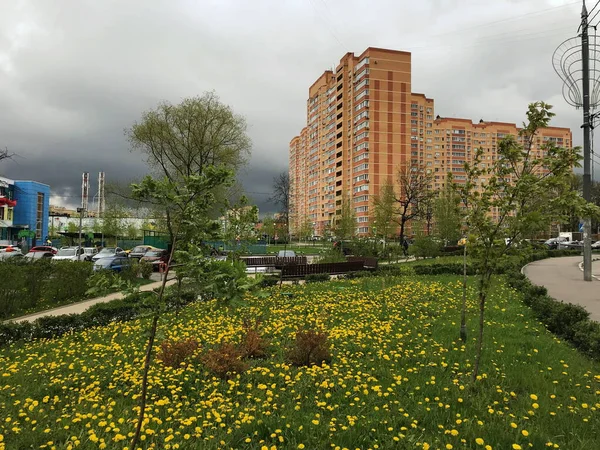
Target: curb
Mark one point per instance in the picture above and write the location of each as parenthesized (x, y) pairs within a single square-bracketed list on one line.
[(580, 265)]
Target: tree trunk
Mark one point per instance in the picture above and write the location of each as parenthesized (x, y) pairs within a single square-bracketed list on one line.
[(148, 358), (463, 310), (484, 284)]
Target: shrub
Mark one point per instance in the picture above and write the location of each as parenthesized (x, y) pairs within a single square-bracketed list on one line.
[(253, 345), (331, 255), (425, 247), (310, 348), (224, 360), (317, 277), (269, 280), (69, 281), (174, 353), (145, 269), (358, 274), (132, 272), (586, 337)]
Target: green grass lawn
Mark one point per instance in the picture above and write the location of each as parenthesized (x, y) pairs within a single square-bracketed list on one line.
[(399, 378)]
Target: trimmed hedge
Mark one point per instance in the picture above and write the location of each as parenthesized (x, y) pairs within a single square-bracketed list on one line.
[(317, 277), (128, 308), (569, 321)]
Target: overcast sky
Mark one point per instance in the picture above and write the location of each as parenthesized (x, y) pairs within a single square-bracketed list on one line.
[(75, 73)]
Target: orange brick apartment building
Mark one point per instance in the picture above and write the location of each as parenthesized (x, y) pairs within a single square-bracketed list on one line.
[(363, 123)]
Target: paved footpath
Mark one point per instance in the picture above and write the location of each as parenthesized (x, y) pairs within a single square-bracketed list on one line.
[(564, 280), (78, 308)]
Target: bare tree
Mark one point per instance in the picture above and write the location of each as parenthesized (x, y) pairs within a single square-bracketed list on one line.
[(281, 197), (5, 154), (413, 194)]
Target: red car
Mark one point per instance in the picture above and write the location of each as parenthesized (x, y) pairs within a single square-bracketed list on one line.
[(44, 248)]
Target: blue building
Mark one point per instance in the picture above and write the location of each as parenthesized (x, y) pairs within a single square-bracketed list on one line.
[(32, 209)]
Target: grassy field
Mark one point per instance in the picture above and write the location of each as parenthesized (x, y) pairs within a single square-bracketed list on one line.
[(398, 378)]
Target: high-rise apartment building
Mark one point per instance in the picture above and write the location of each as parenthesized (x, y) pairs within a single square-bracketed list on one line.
[(364, 123)]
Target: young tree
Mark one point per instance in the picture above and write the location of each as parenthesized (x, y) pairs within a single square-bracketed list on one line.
[(518, 194), (241, 219), (281, 197), (268, 228), (447, 215), (345, 220), (112, 222), (383, 211), (412, 194), (306, 229), (186, 201)]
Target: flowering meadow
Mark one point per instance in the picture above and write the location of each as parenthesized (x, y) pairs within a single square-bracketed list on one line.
[(398, 378)]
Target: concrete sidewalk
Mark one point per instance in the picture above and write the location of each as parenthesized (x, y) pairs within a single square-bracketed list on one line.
[(78, 308), (564, 281)]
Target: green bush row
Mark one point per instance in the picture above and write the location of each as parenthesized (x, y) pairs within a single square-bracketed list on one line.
[(26, 284), (317, 277), (571, 322), (48, 327)]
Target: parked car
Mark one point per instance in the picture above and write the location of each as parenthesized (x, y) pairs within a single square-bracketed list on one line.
[(553, 243), (113, 263), (140, 250), (108, 252), (155, 257), (8, 248), (34, 256), (13, 253), (89, 252), (573, 245), (44, 249), (69, 254)]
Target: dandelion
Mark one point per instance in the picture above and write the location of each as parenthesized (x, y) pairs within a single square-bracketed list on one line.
[(479, 441)]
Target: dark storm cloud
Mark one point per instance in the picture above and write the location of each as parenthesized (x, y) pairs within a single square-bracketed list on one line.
[(74, 74)]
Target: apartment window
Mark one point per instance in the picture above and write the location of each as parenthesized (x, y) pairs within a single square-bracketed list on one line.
[(362, 84), (359, 76), (1, 213), (361, 95), (359, 209), (363, 229), (362, 177), (360, 157), (364, 166), (361, 105), (361, 64), (364, 187), (361, 198), (359, 147), (362, 115), (362, 219), (39, 222)]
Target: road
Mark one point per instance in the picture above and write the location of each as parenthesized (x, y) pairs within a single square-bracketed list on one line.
[(564, 281)]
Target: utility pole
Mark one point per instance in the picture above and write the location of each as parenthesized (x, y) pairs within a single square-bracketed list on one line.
[(81, 211), (587, 182)]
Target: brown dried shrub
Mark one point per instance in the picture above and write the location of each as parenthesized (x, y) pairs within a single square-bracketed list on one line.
[(174, 353), (310, 347), (224, 360), (253, 345)]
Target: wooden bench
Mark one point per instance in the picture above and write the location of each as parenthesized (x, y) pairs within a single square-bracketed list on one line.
[(273, 261)]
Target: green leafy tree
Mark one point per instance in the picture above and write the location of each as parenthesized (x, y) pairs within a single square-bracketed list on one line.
[(345, 220), (383, 211), (241, 219), (180, 141), (518, 194), (305, 230), (268, 228), (112, 222), (186, 201), (132, 231), (447, 215)]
